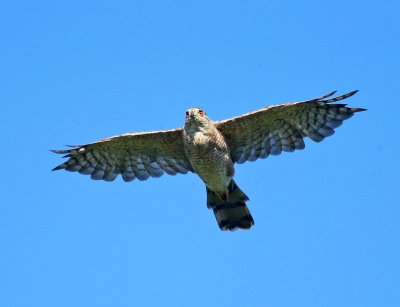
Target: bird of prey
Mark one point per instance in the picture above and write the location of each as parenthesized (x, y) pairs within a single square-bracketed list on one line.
[(210, 149)]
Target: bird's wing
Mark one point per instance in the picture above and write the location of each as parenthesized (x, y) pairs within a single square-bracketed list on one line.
[(274, 129), (133, 155)]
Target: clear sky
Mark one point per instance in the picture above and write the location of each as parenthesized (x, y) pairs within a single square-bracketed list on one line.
[(326, 218)]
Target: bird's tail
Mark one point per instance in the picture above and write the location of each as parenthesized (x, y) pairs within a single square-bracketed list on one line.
[(231, 212)]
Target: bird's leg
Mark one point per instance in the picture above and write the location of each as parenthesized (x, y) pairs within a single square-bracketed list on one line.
[(227, 195), (223, 196), (219, 195)]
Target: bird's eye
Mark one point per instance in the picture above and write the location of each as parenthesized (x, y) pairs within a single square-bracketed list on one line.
[(187, 114), (201, 112)]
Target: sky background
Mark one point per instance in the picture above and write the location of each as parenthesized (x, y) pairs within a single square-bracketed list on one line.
[(326, 218)]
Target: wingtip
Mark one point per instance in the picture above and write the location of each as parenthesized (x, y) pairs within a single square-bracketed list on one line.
[(62, 151), (358, 110), (327, 95), (352, 93), (341, 97), (58, 151)]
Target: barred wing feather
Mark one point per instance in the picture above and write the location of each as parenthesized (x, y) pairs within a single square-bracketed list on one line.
[(133, 155), (274, 129)]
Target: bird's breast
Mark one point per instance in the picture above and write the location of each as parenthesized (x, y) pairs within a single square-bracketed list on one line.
[(201, 140), (210, 159)]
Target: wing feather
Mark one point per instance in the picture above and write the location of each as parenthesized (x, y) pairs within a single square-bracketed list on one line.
[(274, 129), (133, 155)]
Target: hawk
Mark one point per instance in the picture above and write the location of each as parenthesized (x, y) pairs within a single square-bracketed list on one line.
[(210, 149)]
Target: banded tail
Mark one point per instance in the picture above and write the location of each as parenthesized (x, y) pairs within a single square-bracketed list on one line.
[(233, 213)]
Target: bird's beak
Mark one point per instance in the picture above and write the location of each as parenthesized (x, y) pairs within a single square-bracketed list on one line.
[(192, 115)]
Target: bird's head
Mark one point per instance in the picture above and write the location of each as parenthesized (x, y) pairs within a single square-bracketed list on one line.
[(196, 117)]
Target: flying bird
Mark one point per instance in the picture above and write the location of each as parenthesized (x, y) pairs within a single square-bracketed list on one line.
[(210, 149)]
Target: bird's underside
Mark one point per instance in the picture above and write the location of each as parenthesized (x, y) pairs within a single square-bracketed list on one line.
[(211, 149)]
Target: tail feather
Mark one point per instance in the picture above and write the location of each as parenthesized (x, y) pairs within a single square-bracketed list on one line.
[(231, 213)]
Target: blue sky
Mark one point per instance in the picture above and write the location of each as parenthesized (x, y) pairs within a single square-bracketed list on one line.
[(326, 218)]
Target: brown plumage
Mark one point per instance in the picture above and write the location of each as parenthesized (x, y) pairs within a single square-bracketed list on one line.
[(210, 149)]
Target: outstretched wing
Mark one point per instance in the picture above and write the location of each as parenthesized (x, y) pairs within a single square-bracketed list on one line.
[(133, 155), (274, 129)]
